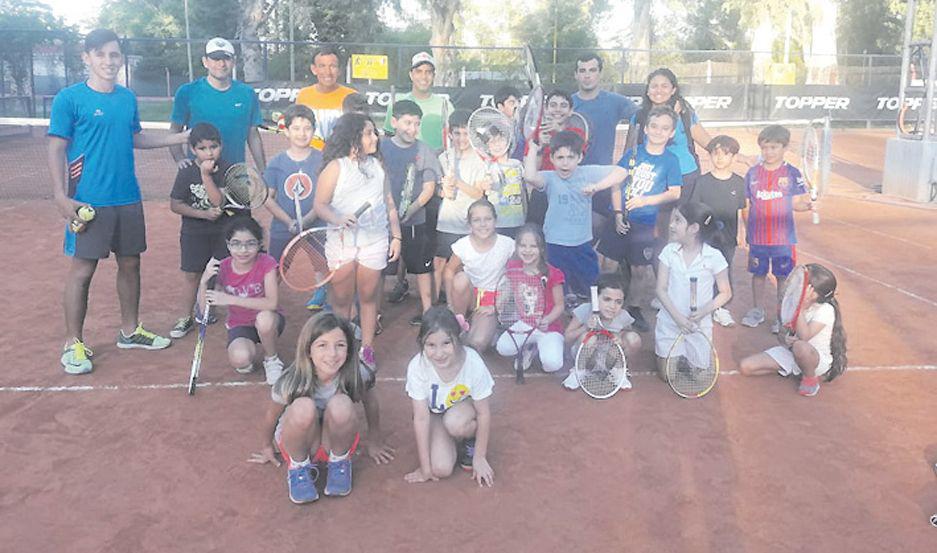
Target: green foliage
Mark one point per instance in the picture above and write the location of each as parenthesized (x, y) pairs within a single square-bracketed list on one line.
[(869, 26), (26, 24), (711, 25), (923, 18)]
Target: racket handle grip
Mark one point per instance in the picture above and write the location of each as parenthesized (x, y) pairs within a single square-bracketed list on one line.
[(362, 209)]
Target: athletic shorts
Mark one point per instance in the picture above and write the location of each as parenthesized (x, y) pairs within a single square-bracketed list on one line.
[(250, 332), (785, 359), (537, 207), (483, 298), (417, 251), (120, 229), (602, 202), (780, 260), (373, 255), (636, 247), (444, 242), (196, 249)]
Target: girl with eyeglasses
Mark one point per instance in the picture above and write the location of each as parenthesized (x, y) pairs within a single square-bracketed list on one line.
[(247, 283)]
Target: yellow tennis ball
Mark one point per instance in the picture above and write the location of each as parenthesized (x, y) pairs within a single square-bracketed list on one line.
[(86, 213)]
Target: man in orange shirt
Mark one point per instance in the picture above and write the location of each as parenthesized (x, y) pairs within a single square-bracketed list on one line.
[(325, 97)]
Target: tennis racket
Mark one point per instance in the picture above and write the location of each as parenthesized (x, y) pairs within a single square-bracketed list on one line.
[(532, 115), (692, 365), (298, 187), (601, 368), (276, 123), (576, 123), (491, 134), (445, 146), (792, 300), (810, 159), (405, 194), (243, 188), (311, 258), (520, 302), (200, 341)]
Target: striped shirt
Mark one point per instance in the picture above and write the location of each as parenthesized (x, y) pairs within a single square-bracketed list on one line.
[(771, 204)]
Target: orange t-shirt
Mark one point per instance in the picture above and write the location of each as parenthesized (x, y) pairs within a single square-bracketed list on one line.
[(327, 107)]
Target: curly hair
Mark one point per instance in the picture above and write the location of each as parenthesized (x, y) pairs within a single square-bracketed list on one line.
[(345, 139)]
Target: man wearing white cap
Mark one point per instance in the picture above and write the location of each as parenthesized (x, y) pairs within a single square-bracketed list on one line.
[(422, 74), (230, 105)]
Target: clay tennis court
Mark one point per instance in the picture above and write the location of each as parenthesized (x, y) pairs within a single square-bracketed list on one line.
[(123, 460)]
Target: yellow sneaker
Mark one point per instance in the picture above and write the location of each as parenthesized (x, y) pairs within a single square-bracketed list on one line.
[(76, 358)]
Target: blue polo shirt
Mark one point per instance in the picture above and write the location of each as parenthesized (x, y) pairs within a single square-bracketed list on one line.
[(603, 114), (233, 111), (99, 128)]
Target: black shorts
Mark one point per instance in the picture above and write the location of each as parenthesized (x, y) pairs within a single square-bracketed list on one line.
[(250, 332), (196, 249), (417, 251), (537, 207), (444, 242), (602, 202), (636, 247), (120, 229)]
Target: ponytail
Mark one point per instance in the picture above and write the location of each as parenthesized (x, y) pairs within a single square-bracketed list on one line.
[(824, 284), (710, 229)]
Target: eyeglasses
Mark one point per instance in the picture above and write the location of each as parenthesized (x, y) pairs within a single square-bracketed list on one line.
[(238, 245)]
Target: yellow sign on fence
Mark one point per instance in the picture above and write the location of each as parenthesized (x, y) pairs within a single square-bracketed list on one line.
[(781, 73), (369, 66)]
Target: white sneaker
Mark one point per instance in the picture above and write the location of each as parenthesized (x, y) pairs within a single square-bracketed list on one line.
[(775, 327), (723, 317), (273, 368), (626, 383), (754, 317), (571, 382), (655, 304)]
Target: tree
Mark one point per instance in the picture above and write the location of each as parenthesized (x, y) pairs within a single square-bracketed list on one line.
[(710, 25), (26, 24), (868, 26), (442, 29)]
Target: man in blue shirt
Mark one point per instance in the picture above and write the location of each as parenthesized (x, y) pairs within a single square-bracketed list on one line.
[(93, 128), (231, 106), (603, 109)]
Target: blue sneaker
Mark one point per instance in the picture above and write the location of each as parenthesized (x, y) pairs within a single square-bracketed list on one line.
[(318, 301), (302, 482), (338, 481)]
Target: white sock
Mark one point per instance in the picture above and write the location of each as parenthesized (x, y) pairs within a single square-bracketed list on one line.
[(333, 457), (298, 464)]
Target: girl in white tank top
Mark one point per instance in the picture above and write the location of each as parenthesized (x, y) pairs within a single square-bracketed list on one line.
[(351, 176)]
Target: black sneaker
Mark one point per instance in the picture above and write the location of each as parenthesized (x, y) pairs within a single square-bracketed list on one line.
[(466, 453), (417, 320), (640, 324), (400, 292)]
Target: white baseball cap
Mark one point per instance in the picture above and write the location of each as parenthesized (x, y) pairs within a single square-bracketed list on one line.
[(219, 45), (421, 58)]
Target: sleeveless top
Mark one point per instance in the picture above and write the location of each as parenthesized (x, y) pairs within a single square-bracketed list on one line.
[(359, 183)]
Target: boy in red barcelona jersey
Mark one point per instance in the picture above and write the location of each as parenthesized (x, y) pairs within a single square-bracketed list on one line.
[(775, 189)]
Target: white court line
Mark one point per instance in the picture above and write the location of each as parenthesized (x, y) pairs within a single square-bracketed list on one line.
[(394, 379), (898, 289), (883, 234)]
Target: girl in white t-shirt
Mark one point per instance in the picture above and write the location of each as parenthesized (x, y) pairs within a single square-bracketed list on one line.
[(689, 255), (473, 272), (351, 176), (449, 386), (818, 346), (312, 411)]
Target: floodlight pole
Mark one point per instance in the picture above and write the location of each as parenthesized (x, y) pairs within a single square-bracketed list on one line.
[(188, 43)]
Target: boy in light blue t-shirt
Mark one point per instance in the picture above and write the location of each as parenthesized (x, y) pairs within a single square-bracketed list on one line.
[(567, 225)]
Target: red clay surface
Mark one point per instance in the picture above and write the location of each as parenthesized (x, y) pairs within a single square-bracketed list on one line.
[(752, 467)]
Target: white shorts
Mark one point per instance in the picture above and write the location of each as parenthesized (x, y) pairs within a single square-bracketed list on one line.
[(373, 255), (549, 346), (785, 358)]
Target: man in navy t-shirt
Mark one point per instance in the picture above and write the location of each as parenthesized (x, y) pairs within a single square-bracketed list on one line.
[(229, 105), (603, 109), (93, 128)]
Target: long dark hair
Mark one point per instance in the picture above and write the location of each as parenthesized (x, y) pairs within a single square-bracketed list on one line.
[(824, 284), (676, 102), (346, 137), (709, 228)]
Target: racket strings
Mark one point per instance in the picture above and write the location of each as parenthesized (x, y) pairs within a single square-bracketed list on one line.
[(305, 264), (486, 124), (600, 366), (694, 373), (245, 187)]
